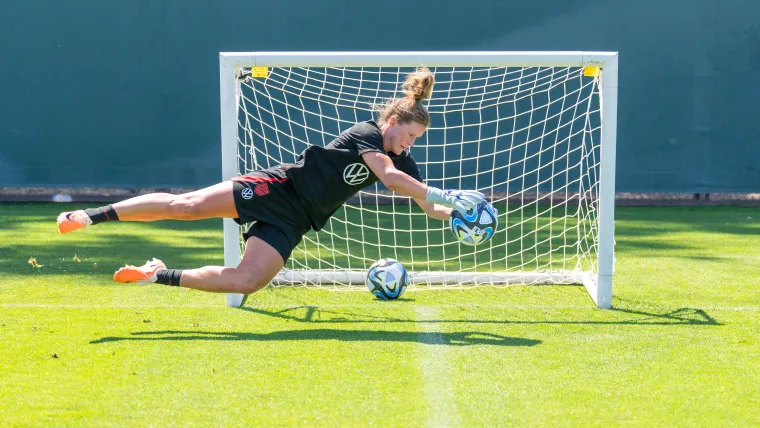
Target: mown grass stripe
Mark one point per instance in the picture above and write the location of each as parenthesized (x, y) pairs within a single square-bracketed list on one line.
[(435, 369)]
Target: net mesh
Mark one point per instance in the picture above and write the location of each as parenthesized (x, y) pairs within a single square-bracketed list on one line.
[(529, 138)]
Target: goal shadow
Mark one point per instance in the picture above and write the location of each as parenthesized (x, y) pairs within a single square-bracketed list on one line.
[(314, 314), (465, 338)]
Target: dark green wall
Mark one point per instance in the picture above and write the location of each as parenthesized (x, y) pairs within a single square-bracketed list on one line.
[(104, 93)]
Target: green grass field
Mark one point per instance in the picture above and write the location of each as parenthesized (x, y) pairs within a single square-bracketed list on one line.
[(680, 348)]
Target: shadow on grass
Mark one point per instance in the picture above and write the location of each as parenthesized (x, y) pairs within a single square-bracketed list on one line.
[(450, 339), (113, 247), (647, 222), (313, 314), (677, 317), (674, 232)]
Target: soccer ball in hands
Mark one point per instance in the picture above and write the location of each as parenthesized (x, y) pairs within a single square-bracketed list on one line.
[(476, 226), (387, 279)]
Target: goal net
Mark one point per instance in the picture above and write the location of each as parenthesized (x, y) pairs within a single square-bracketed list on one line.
[(529, 136)]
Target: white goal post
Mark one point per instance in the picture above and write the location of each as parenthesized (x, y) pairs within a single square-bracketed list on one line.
[(534, 131)]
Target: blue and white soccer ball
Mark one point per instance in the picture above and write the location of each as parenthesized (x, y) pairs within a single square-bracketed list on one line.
[(387, 279), (476, 226)]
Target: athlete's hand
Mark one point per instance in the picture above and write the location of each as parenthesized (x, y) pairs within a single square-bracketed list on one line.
[(460, 200)]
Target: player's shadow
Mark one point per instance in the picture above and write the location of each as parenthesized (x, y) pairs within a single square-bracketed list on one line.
[(315, 314), (450, 339)]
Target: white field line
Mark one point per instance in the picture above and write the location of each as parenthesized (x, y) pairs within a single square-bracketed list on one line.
[(590, 306), (435, 369)]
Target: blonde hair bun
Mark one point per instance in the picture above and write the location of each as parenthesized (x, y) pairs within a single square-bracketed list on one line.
[(419, 84)]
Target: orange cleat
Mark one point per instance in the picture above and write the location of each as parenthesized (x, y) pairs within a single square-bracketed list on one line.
[(73, 220), (145, 274)]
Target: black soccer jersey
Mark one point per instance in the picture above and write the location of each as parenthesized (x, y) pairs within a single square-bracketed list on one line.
[(325, 177)]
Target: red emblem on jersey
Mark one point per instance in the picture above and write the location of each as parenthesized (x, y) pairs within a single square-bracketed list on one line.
[(261, 189)]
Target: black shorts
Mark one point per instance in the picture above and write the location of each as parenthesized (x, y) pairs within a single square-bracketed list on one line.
[(267, 198)]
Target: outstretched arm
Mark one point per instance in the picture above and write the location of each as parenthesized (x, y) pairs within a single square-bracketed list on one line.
[(395, 180), (434, 210), (434, 201)]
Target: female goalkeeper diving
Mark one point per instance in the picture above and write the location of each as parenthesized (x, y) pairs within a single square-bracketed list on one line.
[(286, 201)]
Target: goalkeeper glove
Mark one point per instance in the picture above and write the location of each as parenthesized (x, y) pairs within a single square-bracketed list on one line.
[(460, 200)]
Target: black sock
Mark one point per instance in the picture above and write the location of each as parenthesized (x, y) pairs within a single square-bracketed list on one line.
[(168, 277), (101, 214)]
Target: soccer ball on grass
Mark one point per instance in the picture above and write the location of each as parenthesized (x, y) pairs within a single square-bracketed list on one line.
[(387, 279)]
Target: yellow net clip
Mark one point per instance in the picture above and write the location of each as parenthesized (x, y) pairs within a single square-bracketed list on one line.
[(591, 71), (259, 72)]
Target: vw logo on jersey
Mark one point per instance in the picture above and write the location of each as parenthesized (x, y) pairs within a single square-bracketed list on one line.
[(356, 173), (246, 193)]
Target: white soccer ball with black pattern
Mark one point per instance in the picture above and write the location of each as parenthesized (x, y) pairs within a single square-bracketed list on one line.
[(476, 226), (387, 279)]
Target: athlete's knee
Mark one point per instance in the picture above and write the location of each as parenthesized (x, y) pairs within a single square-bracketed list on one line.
[(185, 207), (248, 281)]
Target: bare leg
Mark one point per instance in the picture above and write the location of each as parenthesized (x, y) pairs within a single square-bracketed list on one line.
[(260, 264), (211, 202)]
